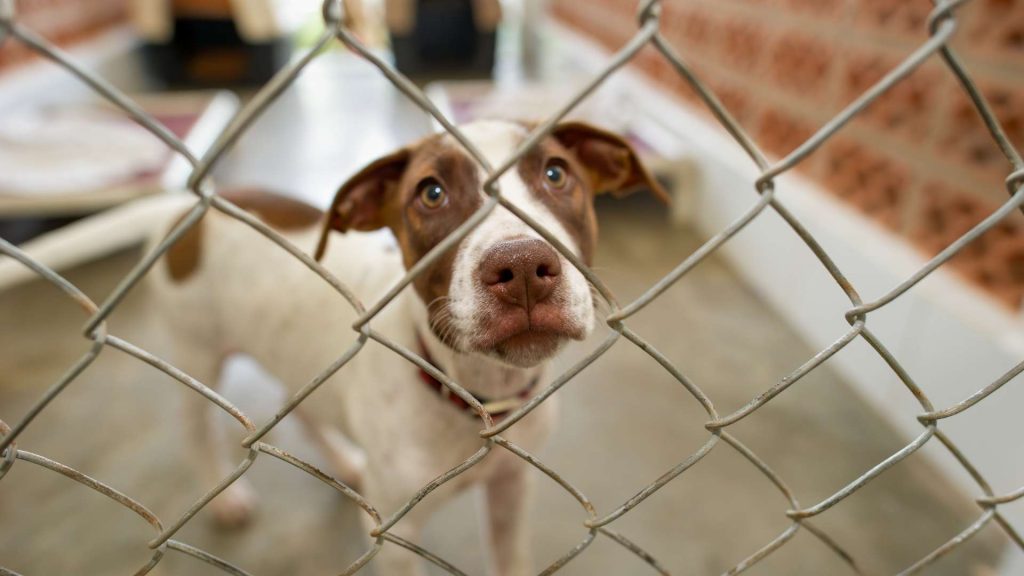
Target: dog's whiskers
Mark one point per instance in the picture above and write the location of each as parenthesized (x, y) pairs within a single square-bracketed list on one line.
[(442, 322), (440, 300), (600, 305)]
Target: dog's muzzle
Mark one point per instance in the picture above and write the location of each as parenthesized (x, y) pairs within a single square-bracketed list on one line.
[(526, 317)]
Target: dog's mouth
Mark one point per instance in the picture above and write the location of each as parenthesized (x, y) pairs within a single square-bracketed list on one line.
[(524, 338), (513, 336)]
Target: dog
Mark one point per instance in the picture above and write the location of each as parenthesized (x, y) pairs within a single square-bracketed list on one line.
[(490, 313)]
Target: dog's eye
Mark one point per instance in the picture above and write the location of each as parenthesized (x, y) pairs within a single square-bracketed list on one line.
[(432, 194), (556, 174)]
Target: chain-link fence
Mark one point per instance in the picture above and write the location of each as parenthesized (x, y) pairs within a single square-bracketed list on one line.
[(942, 25)]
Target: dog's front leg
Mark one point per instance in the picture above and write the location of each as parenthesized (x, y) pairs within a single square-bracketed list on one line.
[(347, 461), (508, 496), (235, 505)]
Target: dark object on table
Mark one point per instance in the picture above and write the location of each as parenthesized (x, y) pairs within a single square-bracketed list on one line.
[(19, 230), (211, 53), (206, 49), (444, 38)]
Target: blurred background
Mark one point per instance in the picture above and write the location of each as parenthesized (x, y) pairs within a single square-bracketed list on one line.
[(908, 176)]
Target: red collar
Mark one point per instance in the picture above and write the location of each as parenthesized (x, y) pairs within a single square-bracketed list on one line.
[(461, 404)]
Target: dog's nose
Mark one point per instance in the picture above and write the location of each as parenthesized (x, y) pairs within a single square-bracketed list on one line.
[(522, 272)]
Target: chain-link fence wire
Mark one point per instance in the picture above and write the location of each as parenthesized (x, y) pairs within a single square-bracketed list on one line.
[(942, 25)]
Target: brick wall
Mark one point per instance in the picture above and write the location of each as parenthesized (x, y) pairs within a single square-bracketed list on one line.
[(919, 161), (63, 21)]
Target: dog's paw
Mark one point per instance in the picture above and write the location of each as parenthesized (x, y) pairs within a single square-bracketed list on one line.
[(348, 461), (235, 506), (352, 469)]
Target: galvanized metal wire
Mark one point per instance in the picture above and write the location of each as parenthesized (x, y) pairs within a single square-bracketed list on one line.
[(595, 521)]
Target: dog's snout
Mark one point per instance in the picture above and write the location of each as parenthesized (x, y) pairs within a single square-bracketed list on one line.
[(521, 272)]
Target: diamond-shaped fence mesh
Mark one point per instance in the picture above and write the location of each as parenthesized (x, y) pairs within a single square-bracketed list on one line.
[(596, 520)]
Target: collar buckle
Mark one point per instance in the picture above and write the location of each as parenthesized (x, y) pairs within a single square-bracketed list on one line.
[(502, 406)]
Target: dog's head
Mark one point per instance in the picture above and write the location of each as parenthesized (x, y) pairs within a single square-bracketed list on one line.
[(503, 290)]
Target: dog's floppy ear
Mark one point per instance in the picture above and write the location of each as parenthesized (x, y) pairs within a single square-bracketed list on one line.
[(610, 161), (359, 203)]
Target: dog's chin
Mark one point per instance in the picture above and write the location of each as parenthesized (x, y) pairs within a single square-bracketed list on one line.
[(513, 337), (527, 349), (525, 345)]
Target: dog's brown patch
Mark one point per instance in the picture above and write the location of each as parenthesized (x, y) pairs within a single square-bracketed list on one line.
[(183, 257), (573, 206), (278, 211), (419, 229), (386, 194)]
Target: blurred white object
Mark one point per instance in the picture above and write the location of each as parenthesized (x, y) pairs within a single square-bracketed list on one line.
[(152, 19), (73, 151), (93, 237), (257, 20), (73, 158), (261, 20)]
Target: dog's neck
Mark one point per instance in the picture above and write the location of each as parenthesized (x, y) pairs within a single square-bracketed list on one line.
[(481, 375)]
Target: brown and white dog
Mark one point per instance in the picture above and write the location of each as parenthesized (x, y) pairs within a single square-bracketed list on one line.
[(490, 314)]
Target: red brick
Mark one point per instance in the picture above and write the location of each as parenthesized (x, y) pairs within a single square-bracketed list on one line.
[(905, 110), (667, 76), (779, 132), (800, 64), (872, 182), (681, 88), (965, 138), (620, 8), (650, 62), (994, 261), (695, 30), (735, 98), (598, 24), (13, 53), (820, 8), (946, 214), (570, 18), (908, 18), (996, 27), (741, 44)]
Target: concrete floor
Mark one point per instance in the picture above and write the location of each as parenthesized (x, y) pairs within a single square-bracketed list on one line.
[(624, 422)]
